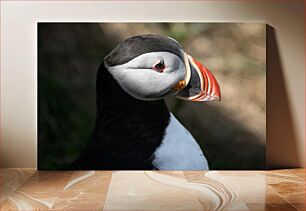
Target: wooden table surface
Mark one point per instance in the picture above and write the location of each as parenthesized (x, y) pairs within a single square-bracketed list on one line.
[(28, 189)]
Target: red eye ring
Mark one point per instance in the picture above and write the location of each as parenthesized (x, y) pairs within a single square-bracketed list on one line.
[(159, 66)]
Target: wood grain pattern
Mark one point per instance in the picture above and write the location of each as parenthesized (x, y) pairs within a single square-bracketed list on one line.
[(213, 194), (40, 191), (11, 179), (288, 184), (85, 191), (27, 189), (148, 190)]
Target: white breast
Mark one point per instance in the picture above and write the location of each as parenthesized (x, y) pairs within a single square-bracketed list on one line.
[(179, 150)]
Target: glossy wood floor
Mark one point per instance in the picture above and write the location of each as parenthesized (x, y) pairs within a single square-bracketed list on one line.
[(28, 189)]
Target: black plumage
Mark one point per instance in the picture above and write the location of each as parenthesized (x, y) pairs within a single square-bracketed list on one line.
[(141, 44), (127, 130)]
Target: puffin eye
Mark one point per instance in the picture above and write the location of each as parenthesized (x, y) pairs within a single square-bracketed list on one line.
[(159, 66)]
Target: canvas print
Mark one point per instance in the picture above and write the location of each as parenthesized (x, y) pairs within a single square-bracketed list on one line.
[(151, 96)]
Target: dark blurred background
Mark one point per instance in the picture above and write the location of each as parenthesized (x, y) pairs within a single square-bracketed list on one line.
[(232, 133)]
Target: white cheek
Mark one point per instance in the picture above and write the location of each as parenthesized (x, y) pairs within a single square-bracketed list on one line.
[(142, 83), (146, 82)]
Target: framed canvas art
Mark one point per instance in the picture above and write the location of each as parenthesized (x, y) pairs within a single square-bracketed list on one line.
[(143, 96)]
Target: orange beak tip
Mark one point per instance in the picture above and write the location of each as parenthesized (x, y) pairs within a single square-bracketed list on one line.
[(204, 86)]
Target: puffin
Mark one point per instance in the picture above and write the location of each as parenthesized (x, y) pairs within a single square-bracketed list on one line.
[(134, 129)]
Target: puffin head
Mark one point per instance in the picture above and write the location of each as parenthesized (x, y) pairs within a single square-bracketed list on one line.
[(151, 67)]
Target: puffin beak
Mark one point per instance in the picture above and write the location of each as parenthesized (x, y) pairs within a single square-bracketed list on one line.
[(199, 84)]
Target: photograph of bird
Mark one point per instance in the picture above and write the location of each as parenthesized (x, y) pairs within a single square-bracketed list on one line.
[(134, 130)]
